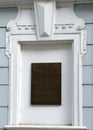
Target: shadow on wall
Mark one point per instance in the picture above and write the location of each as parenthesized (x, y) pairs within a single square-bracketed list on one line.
[(6, 14)]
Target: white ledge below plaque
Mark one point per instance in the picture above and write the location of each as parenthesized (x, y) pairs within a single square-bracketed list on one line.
[(44, 127)]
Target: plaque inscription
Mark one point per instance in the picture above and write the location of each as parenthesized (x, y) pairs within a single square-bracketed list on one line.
[(46, 84)]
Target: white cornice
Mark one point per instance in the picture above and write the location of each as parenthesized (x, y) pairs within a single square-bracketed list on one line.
[(10, 3)]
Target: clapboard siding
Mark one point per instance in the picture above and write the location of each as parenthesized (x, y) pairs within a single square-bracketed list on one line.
[(87, 75), (3, 95), (88, 95), (89, 28), (87, 60), (2, 36), (85, 11), (88, 118), (6, 14), (1, 128), (3, 58), (3, 116), (3, 76)]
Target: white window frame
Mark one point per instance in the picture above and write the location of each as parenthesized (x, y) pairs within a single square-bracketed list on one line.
[(17, 36)]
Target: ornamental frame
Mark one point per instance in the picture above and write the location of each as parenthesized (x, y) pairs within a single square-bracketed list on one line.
[(26, 28)]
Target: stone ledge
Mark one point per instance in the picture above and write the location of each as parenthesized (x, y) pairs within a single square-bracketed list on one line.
[(44, 127)]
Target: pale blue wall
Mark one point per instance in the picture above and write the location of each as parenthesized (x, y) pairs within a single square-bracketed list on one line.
[(84, 11), (5, 15)]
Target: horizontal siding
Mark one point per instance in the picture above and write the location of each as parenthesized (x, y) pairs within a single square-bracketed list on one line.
[(85, 11), (2, 36), (3, 116), (89, 28), (3, 58), (88, 75), (1, 128), (3, 96), (88, 117), (6, 14), (87, 60), (88, 95), (3, 76)]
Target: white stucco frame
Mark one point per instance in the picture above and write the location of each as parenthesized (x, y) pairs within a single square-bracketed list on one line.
[(23, 31)]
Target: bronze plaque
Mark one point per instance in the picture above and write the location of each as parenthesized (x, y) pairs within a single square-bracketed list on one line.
[(46, 83)]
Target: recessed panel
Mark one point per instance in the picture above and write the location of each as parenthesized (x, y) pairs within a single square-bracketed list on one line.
[(46, 84)]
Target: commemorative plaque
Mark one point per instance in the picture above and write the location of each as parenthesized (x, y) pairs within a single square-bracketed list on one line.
[(46, 84)]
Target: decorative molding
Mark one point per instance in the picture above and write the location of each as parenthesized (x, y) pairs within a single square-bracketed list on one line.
[(68, 28), (69, 24), (13, 3), (44, 15), (25, 21), (12, 26), (62, 26), (44, 20), (8, 50), (83, 49)]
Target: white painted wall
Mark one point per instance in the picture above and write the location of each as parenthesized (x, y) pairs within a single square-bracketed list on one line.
[(47, 53)]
